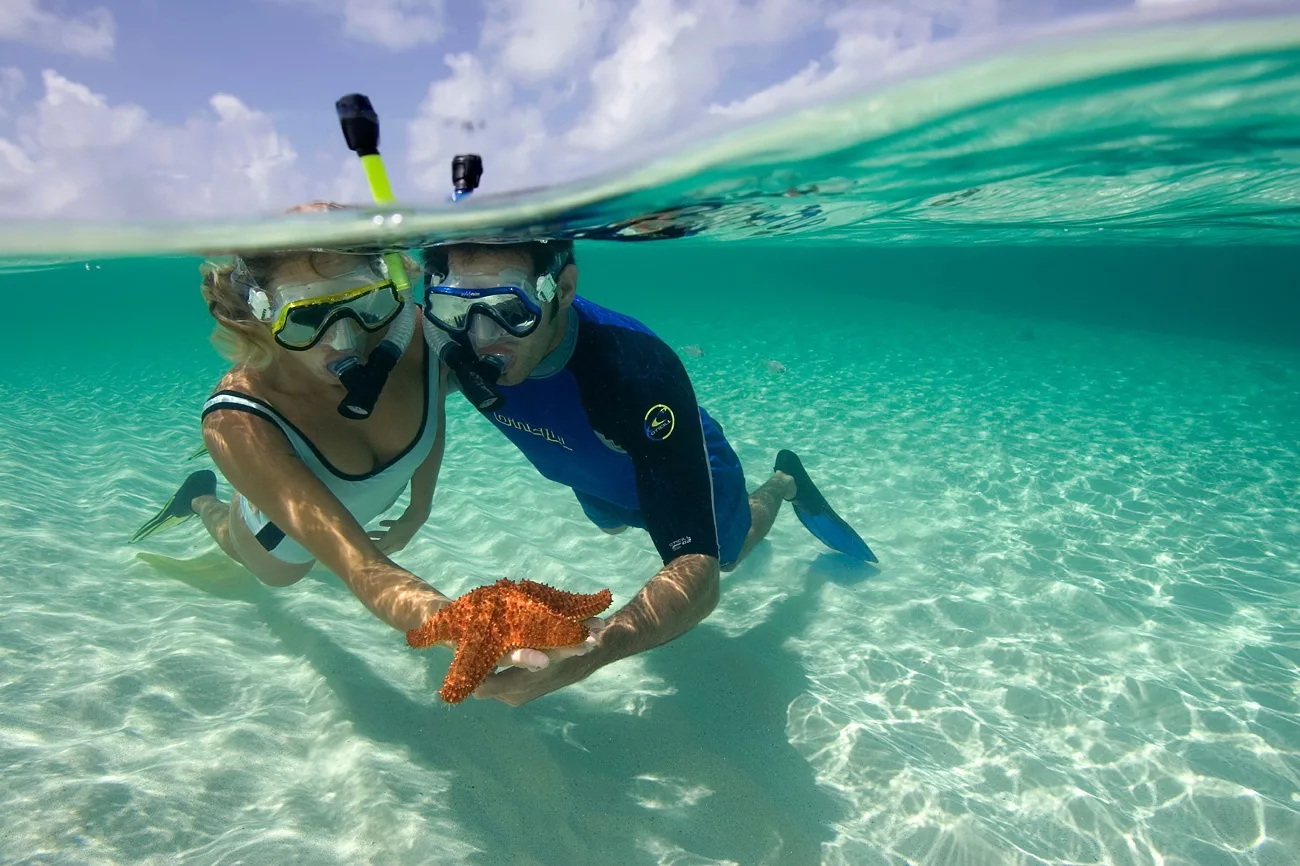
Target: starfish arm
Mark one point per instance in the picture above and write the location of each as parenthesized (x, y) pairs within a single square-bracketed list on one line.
[(435, 629), (475, 658), (450, 622), (570, 604), (530, 624)]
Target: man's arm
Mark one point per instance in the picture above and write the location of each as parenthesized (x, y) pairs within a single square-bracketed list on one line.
[(648, 410), (658, 425), (674, 601)]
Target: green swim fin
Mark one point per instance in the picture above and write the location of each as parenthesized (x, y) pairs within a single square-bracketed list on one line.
[(178, 509)]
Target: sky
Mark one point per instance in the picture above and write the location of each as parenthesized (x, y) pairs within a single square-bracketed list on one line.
[(193, 109)]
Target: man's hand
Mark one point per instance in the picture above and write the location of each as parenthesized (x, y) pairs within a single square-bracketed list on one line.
[(535, 672), (398, 534)]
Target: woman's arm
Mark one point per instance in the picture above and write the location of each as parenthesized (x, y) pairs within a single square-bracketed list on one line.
[(425, 479), (258, 461)]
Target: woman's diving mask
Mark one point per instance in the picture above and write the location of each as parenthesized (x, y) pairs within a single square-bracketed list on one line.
[(303, 313)]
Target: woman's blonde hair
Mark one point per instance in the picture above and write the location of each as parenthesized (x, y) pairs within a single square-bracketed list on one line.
[(239, 336)]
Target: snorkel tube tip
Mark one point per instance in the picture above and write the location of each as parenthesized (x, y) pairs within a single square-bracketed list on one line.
[(360, 124), (466, 172)]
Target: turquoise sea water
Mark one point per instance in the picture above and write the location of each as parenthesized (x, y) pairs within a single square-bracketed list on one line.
[(1050, 370)]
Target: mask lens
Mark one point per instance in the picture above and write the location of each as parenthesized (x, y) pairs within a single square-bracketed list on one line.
[(451, 308), (306, 320)]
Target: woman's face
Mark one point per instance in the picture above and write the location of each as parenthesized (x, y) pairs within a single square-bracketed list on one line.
[(306, 277)]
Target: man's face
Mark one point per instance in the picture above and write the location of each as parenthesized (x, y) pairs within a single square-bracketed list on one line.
[(522, 354)]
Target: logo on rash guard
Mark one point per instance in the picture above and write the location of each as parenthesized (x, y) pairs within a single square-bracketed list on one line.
[(659, 422)]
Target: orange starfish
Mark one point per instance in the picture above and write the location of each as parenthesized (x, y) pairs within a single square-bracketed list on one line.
[(488, 622)]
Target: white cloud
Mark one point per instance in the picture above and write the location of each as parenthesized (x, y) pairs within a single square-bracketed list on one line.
[(527, 39), (554, 88), (89, 34), (77, 155), (12, 82), (637, 86), (670, 58), (471, 111), (396, 24), (871, 40), (71, 118)]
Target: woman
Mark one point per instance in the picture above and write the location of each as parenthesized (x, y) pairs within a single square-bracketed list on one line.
[(308, 479)]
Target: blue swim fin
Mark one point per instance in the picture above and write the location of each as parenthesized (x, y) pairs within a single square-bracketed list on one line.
[(816, 514)]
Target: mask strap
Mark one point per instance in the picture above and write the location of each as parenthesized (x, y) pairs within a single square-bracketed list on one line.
[(260, 304), (546, 288)]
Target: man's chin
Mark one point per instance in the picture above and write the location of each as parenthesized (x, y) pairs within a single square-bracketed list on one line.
[(510, 377)]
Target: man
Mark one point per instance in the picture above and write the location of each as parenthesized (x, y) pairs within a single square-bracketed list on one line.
[(600, 404)]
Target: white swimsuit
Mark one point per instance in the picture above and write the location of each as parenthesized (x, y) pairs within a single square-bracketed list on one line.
[(365, 496)]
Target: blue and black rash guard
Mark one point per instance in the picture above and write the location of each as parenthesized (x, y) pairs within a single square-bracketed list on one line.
[(619, 422)]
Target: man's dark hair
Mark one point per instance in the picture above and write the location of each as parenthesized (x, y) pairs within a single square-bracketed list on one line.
[(550, 256)]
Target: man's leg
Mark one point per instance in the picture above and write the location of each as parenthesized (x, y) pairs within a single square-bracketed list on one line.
[(609, 518), (764, 504)]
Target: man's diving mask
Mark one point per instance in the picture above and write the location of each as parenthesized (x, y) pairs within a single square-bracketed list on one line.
[(306, 311), (510, 298)]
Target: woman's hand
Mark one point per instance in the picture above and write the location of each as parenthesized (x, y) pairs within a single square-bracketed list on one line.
[(398, 534)]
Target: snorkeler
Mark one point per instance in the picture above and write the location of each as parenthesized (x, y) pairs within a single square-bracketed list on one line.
[(599, 403), (307, 478)]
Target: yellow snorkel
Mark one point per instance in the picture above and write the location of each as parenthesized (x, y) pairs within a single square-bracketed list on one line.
[(364, 381), (361, 131), (476, 377)]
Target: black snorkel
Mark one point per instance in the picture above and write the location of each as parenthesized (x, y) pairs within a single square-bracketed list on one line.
[(466, 172), (365, 382), (477, 376)]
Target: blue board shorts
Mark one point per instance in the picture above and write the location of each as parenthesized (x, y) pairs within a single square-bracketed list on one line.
[(730, 507)]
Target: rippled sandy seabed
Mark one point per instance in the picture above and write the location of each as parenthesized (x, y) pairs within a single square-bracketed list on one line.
[(1080, 646)]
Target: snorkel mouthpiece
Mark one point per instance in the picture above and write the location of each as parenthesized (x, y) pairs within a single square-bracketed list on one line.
[(477, 376), (361, 397), (365, 382)]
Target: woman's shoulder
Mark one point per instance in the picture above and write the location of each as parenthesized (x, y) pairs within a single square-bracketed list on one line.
[(240, 380)]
